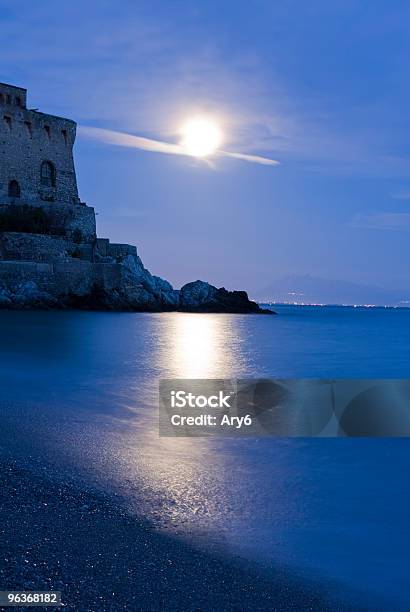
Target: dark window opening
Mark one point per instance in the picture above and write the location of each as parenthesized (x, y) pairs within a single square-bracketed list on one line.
[(29, 128), (64, 133), (8, 99), (14, 189), (2, 99), (48, 174), (47, 130), (7, 121), (17, 101)]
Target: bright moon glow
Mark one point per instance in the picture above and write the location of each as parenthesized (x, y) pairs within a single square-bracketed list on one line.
[(200, 137)]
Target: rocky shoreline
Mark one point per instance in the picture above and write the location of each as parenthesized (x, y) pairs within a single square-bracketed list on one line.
[(195, 297), (51, 272)]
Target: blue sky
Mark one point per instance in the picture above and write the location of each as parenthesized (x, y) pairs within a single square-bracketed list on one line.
[(321, 86)]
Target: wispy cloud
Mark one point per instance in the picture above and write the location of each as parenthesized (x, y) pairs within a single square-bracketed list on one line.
[(256, 159), (122, 139), (382, 221)]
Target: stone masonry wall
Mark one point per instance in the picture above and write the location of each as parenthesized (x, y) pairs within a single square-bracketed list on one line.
[(66, 218), (73, 218), (27, 138), (13, 273), (113, 249), (121, 250), (10, 95), (62, 278), (34, 247)]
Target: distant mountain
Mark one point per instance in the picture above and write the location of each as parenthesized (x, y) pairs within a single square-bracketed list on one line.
[(312, 290)]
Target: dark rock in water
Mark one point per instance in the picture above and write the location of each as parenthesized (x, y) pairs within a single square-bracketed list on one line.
[(200, 296), (197, 296)]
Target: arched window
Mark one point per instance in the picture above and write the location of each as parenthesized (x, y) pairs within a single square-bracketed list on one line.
[(14, 189), (48, 174)]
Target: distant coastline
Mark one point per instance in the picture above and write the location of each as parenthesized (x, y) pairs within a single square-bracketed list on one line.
[(314, 290), (274, 304)]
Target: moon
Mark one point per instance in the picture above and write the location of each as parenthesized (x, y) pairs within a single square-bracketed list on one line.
[(201, 137)]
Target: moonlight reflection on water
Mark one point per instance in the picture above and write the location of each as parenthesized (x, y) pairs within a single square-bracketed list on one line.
[(200, 346)]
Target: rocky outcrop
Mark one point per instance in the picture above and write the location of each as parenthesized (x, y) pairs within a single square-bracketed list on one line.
[(143, 289), (80, 271), (139, 290), (110, 285), (144, 292), (200, 296)]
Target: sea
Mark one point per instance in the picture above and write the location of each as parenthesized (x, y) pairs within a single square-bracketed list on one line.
[(79, 397)]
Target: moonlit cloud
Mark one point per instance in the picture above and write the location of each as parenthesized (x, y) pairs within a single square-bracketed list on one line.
[(256, 159), (122, 139), (129, 140)]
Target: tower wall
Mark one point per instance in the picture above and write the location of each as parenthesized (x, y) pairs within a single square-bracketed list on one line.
[(29, 138)]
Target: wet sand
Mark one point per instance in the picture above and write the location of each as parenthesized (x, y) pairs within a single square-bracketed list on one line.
[(58, 536)]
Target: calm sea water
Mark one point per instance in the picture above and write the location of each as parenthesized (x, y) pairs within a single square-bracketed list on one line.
[(79, 396)]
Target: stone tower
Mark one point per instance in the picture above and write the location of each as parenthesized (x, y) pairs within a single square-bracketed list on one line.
[(36, 160)]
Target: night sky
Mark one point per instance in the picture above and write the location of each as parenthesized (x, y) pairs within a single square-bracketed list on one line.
[(322, 87)]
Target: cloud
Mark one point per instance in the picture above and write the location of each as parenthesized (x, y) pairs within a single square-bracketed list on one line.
[(256, 159), (129, 140), (382, 221), (122, 139)]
